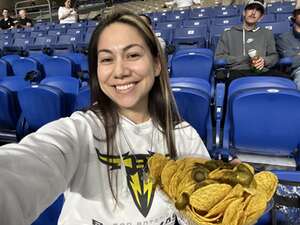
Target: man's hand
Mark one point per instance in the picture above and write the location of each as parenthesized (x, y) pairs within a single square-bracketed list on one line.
[(259, 63)]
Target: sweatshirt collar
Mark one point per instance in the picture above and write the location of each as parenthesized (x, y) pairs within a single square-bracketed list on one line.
[(296, 34), (240, 27)]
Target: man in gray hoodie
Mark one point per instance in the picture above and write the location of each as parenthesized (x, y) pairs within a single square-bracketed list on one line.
[(235, 44), (288, 45)]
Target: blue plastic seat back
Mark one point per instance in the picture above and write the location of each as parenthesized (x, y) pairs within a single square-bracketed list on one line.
[(225, 11), (56, 32), (24, 65), (92, 23), (10, 58), (199, 14), (192, 63), (78, 25), (44, 41), (70, 87), (196, 23), (268, 18), (22, 35), (41, 105), (166, 34), (277, 27), (227, 21), (21, 43), (58, 66), (83, 99), (168, 25), (192, 96), (37, 34), (190, 37), (76, 31), (176, 16), (264, 118), (215, 33), (61, 26), (281, 8), (10, 110), (283, 17)]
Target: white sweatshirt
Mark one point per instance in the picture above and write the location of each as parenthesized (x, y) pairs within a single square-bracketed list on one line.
[(183, 3), (67, 155), (63, 11)]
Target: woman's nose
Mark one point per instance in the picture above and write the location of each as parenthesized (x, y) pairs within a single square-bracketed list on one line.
[(121, 69)]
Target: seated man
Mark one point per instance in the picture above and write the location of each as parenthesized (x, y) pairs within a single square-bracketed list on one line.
[(182, 3), (7, 22), (236, 44), (23, 21), (288, 45)]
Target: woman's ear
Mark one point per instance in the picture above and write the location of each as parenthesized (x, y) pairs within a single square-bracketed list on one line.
[(157, 68)]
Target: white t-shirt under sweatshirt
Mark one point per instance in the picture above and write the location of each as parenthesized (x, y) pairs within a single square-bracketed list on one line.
[(68, 155)]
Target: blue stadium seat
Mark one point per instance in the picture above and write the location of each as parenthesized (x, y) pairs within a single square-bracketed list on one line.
[(176, 16), (24, 65), (66, 43), (61, 26), (10, 110), (168, 25), (193, 98), (268, 18), (21, 35), (277, 27), (166, 34), (227, 21), (81, 64), (69, 86), (225, 12), (82, 24), (92, 23), (195, 23), (10, 58), (58, 66), (191, 37), (35, 34), (263, 119), (282, 8), (56, 32), (203, 13), (192, 63), (215, 34), (41, 43), (283, 17), (76, 31)]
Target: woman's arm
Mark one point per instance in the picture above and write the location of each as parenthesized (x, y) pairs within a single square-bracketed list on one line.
[(35, 171)]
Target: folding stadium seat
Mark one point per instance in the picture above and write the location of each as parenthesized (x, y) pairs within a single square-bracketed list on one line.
[(3, 69), (44, 27), (82, 24), (283, 17), (23, 65), (168, 25), (195, 23), (21, 35), (268, 18), (56, 32), (215, 34), (225, 12), (166, 34), (157, 17), (277, 27), (69, 86), (61, 26), (40, 43), (35, 34), (76, 31), (58, 66), (18, 45), (66, 43), (193, 98), (190, 37), (10, 110), (177, 16), (262, 121), (275, 8), (4, 43), (10, 59), (83, 99), (227, 21), (197, 14), (196, 63), (81, 64)]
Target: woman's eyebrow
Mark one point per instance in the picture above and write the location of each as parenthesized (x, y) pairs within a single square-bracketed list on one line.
[(124, 49)]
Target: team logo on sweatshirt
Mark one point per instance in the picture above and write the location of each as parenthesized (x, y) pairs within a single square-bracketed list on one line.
[(141, 189)]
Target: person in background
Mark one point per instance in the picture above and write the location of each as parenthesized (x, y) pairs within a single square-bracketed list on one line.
[(67, 13), (288, 45), (23, 21), (238, 44), (7, 22), (98, 157), (182, 3)]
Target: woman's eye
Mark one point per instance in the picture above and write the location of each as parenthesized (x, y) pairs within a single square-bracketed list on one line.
[(134, 55), (105, 60)]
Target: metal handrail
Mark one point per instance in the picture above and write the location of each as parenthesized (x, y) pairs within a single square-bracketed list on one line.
[(47, 4)]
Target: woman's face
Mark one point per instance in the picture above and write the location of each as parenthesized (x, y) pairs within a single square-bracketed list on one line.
[(126, 69), (68, 3)]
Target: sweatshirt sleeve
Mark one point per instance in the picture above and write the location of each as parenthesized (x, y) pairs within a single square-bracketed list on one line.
[(35, 171), (222, 51), (271, 57), (286, 49)]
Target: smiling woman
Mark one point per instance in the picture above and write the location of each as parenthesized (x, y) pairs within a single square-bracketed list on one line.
[(98, 158)]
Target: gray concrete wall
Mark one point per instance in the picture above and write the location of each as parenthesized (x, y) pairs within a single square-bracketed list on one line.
[(7, 4)]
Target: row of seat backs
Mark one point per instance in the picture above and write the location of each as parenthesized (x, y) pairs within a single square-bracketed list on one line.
[(36, 105), (67, 65), (219, 11), (204, 35)]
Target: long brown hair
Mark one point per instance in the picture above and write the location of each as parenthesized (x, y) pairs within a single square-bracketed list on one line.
[(162, 107)]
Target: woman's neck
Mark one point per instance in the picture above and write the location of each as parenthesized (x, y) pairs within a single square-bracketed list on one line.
[(136, 117)]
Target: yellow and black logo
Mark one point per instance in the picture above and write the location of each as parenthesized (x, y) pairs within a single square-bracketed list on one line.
[(142, 190)]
